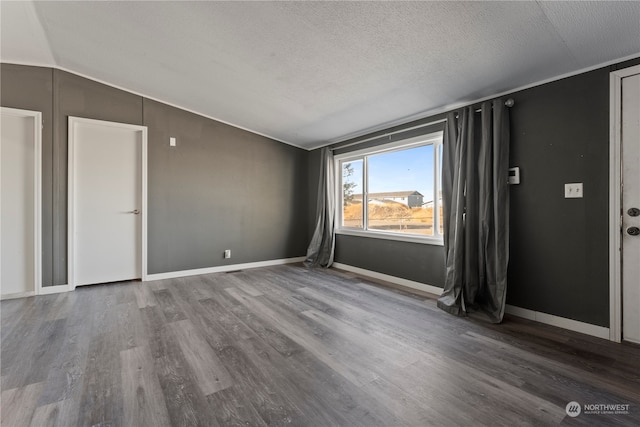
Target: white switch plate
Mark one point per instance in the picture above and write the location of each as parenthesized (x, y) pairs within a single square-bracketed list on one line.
[(172, 142), (227, 253), (514, 175), (573, 190)]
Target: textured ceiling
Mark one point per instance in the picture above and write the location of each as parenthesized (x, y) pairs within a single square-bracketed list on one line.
[(311, 73)]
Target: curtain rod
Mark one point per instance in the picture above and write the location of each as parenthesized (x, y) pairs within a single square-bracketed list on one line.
[(509, 103), (435, 122)]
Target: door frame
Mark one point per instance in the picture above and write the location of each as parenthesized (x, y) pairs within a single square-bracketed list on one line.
[(37, 190), (615, 199), (71, 208)]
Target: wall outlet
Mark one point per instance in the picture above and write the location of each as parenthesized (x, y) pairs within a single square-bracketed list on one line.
[(172, 142), (573, 190), (227, 253)]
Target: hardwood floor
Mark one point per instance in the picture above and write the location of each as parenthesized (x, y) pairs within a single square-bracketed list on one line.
[(291, 346)]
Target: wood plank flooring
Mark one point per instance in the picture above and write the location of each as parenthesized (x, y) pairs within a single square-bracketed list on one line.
[(291, 346)]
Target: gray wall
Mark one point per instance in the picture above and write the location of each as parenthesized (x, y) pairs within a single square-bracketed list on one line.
[(31, 88), (412, 261), (224, 188), (221, 188), (79, 97), (559, 247)]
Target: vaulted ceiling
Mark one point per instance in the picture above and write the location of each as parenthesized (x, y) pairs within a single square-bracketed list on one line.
[(312, 73)]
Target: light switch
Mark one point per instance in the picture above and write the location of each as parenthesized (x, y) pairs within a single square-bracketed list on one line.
[(573, 190), (172, 142), (514, 175)]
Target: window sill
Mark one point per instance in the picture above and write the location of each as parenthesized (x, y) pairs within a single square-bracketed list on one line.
[(400, 237)]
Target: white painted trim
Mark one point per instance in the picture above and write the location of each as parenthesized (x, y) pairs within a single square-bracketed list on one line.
[(388, 235), (71, 205), (560, 322), (466, 103), (71, 255), (222, 268), (46, 290), (17, 295), (436, 291), (549, 319), (615, 225), (615, 196), (37, 205), (144, 204), (432, 138), (151, 98)]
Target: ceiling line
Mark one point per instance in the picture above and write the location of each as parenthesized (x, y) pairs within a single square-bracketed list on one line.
[(171, 104), (365, 132), (462, 104)]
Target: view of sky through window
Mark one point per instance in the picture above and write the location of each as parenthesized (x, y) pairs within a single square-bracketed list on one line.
[(404, 170), (401, 185)]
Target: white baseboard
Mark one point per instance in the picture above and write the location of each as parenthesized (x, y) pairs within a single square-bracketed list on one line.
[(46, 290), (223, 268), (17, 295), (393, 279), (548, 319), (560, 322)]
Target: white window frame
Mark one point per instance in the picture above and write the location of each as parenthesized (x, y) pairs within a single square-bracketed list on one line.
[(435, 139)]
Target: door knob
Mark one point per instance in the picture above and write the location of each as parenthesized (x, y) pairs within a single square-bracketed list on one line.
[(633, 212), (633, 231), (135, 211)]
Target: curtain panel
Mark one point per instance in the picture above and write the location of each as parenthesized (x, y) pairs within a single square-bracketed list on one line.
[(321, 249), (475, 194)]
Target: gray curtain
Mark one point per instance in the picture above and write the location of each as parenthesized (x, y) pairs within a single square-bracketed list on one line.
[(322, 246), (475, 196)]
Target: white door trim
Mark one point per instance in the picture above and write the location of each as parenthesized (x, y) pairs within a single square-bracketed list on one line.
[(615, 195), (71, 254), (37, 168)]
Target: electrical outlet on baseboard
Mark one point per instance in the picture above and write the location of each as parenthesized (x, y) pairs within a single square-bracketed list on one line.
[(227, 253)]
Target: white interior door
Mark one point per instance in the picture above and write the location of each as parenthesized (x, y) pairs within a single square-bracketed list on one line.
[(106, 201), (630, 157), (20, 202)]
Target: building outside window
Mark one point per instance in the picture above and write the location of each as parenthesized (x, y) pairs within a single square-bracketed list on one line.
[(392, 191)]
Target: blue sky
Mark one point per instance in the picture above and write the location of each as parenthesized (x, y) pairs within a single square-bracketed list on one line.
[(404, 170)]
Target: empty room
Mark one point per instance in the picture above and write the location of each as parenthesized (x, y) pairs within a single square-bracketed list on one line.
[(310, 213)]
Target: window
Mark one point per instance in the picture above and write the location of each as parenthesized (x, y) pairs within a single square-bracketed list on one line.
[(392, 191)]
